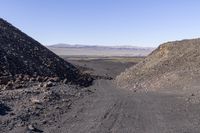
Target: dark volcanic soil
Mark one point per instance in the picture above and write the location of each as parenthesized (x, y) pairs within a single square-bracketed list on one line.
[(101, 108), (112, 110), (36, 106), (20, 54), (47, 104), (41, 107), (102, 67)]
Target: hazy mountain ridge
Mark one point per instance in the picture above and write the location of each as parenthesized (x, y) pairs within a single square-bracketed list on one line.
[(126, 47), (96, 50)]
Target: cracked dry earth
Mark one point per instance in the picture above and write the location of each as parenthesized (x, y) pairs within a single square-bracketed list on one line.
[(112, 110)]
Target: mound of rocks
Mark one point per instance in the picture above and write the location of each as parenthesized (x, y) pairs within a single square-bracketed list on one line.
[(22, 55), (173, 65)]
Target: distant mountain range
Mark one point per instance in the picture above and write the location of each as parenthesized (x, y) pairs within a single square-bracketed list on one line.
[(125, 47), (96, 50)]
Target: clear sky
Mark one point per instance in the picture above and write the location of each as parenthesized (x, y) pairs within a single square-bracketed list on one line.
[(104, 22)]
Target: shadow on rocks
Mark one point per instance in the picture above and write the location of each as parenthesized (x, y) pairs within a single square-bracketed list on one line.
[(4, 109)]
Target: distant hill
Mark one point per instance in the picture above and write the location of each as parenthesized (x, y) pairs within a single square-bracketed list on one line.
[(99, 47), (20, 54), (96, 50), (172, 65)]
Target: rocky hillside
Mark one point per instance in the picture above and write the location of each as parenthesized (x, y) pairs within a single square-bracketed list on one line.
[(172, 65), (20, 54)]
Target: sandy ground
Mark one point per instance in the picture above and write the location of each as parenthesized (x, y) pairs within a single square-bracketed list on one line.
[(105, 108)]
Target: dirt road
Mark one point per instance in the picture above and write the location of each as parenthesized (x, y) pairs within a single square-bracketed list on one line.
[(111, 110)]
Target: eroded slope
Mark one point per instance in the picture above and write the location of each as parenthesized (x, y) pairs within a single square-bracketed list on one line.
[(171, 65)]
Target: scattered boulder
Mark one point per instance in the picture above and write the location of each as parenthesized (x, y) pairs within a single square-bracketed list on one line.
[(48, 84), (32, 79), (4, 80), (65, 81), (10, 85), (18, 86), (39, 79), (32, 128), (55, 79), (40, 85), (26, 78), (35, 101)]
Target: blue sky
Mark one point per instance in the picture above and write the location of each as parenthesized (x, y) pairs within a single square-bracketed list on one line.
[(105, 22)]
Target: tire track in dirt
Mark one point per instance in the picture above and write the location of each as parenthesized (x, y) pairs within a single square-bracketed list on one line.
[(112, 110)]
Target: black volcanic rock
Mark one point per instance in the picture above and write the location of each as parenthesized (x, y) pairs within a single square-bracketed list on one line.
[(20, 54)]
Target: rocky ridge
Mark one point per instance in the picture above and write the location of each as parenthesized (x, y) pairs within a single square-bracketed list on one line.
[(173, 65), (23, 58)]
